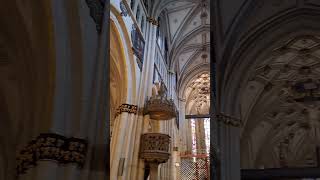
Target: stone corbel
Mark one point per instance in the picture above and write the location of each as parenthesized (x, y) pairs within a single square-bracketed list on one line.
[(52, 147), (228, 120)]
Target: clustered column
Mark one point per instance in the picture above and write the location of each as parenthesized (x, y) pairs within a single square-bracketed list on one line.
[(229, 149), (135, 169)]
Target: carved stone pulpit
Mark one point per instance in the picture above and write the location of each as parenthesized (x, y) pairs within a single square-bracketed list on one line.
[(154, 149)]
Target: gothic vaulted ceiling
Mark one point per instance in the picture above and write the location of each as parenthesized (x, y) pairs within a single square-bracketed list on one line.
[(281, 104), (268, 63), (197, 94), (188, 24)]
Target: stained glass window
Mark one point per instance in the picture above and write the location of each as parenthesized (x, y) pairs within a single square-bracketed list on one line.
[(193, 134), (132, 4), (138, 14), (142, 24), (207, 133), (145, 2)]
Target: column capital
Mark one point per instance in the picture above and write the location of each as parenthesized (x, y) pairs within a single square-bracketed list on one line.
[(228, 120), (54, 147), (171, 71), (182, 99), (153, 21), (129, 108)]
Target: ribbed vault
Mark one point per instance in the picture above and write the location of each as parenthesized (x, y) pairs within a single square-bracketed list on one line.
[(280, 105), (188, 26)]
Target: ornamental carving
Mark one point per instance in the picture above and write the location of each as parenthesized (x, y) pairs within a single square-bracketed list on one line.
[(96, 8), (129, 108), (154, 147), (159, 107), (123, 7), (152, 21), (229, 120), (53, 147), (305, 91)]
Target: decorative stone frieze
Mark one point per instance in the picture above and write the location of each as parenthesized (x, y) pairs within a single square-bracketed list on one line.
[(52, 147), (129, 108), (154, 147), (229, 120)]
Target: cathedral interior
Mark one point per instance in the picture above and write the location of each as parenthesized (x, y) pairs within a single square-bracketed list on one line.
[(160, 90)]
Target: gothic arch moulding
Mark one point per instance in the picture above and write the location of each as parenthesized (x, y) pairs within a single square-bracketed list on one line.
[(122, 66), (122, 55)]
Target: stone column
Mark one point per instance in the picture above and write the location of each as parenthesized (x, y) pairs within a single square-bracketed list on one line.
[(153, 171), (135, 168), (120, 139), (76, 132), (183, 123), (200, 136), (229, 147)]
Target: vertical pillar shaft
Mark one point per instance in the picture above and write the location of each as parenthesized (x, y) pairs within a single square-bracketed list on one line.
[(153, 171), (136, 167), (318, 156), (118, 143), (229, 151)]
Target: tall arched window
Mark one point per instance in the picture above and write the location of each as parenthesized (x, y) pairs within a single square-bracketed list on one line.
[(158, 33), (145, 2), (166, 50), (138, 14), (142, 24), (132, 3)]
